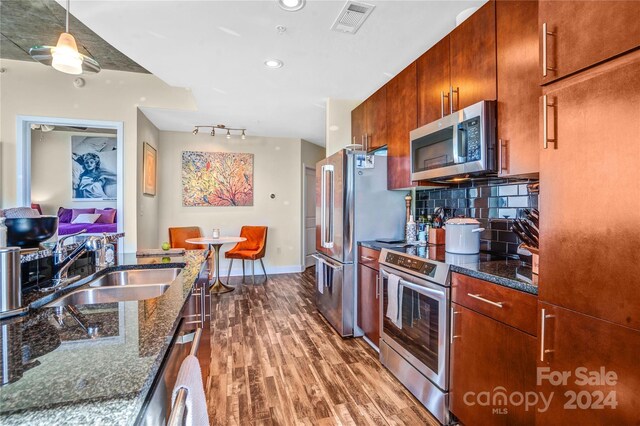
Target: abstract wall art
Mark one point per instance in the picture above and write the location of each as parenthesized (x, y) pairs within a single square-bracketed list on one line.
[(217, 179)]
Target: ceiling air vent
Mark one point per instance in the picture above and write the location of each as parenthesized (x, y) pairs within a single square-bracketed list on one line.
[(352, 16)]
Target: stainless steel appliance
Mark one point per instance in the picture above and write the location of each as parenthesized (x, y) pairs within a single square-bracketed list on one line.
[(352, 204), (414, 344), (462, 143)]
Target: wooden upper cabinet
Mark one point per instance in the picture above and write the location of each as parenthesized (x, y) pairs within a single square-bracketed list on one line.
[(518, 89), (486, 355), (369, 121), (573, 341), (433, 83), (358, 124), (584, 33), (473, 58), (590, 171), (402, 118)]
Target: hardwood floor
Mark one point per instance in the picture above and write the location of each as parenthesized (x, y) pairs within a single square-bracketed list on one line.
[(275, 361)]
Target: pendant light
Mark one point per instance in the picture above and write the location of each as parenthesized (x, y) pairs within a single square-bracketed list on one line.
[(65, 57)]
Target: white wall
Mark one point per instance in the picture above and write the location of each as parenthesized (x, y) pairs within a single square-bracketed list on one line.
[(51, 167), (277, 170), (29, 88), (338, 131), (147, 204)]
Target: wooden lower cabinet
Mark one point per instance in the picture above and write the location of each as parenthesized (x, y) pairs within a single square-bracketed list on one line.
[(369, 303), (576, 346), (491, 364)]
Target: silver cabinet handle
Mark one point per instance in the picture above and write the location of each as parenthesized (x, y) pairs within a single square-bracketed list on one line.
[(542, 333), (502, 157), (366, 141), (451, 92), (453, 325), (377, 286), (491, 302), (442, 96), (545, 122), (545, 33), (367, 258)]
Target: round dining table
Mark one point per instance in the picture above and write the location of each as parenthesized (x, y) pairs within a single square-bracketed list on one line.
[(217, 287)]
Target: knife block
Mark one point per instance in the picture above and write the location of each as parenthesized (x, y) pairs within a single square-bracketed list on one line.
[(436, 236)]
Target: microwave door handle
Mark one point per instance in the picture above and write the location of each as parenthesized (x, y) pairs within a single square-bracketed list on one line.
[(462, 144), (455, 145)]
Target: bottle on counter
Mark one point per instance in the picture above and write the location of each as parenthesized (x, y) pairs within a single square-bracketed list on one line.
[(411, 231)]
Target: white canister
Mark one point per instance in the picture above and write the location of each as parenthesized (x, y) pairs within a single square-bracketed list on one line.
[(462, 236)]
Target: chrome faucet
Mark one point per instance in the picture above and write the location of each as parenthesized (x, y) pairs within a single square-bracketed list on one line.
[(62, 263)]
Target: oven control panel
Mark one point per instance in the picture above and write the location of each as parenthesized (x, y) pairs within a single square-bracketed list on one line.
[(420, 266)]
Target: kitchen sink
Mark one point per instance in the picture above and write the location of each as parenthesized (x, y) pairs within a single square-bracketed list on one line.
[(121, 286), (122, 293), (136, 277)]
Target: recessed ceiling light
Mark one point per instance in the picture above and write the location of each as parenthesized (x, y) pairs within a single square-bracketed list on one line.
[(291, 5), (273, 63)]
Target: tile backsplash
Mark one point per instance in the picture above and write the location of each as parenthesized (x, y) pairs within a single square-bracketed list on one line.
[(494, 203)]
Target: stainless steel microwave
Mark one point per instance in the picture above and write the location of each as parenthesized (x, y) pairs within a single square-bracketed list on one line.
[(459, 144)]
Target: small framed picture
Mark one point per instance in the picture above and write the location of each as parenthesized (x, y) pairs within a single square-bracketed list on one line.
[(150, 159)]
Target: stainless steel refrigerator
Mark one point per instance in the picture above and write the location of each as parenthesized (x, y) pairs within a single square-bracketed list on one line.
[(352, 204)]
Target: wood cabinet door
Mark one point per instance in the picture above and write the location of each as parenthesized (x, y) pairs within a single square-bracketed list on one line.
[(487, 355), (402, 112), (590, 193), (369, 303), (518, 89), (433, 77), (473, 58), (584, 33), (597, 348), (376, 119), (358, 124)]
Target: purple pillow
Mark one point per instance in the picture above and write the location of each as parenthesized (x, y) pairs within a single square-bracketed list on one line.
[(106, 215), (64, 215), (76, 212)]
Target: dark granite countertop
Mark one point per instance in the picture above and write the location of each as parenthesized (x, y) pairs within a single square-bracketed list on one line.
[(59, 374), (494, 268)]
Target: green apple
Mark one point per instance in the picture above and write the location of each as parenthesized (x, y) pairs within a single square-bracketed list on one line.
[(166, 246), (166, 260)]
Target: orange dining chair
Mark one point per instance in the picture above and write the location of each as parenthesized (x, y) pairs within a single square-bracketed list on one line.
[(178, 237), (253, 249)]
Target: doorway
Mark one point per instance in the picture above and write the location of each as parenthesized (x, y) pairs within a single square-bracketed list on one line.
[(309, 215)]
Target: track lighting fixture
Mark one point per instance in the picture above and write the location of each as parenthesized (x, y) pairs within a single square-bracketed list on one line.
[(222, 127)]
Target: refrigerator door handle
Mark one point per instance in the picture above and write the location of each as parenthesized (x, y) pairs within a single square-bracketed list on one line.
[(323, 209), (327, 222)]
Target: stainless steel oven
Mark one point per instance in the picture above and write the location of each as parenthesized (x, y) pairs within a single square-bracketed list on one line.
[(459, 144), (415, 327)]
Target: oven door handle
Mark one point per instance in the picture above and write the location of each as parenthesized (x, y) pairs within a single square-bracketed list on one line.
[(427, 291)]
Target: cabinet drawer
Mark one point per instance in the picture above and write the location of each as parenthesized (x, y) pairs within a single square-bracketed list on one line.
[(368, 257), (506, 305)]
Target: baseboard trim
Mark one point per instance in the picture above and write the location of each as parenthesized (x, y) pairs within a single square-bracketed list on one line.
[(236, 271)]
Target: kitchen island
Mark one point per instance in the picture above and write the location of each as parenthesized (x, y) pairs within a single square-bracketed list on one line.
[(97, 366)]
